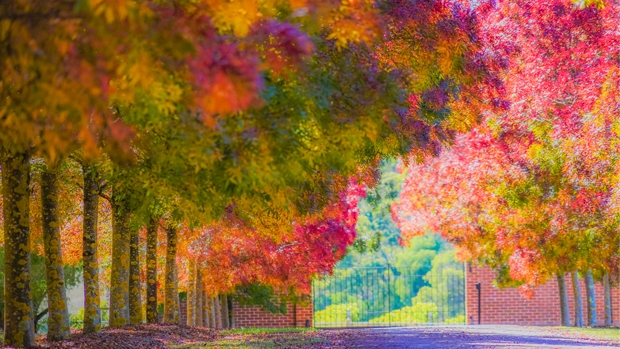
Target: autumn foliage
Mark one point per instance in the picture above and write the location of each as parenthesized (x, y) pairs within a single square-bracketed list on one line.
[(531, 191), (209, 145)]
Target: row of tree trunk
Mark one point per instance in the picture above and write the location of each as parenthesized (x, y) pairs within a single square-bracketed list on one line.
[(591, 308), (203, 310), (125, 297), (19, 321)]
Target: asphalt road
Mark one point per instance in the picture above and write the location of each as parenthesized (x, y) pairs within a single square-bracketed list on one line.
[(466, 337)]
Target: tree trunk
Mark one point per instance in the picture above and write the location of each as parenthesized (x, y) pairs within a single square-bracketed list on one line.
[(224, 307), (213, 311), (577, 295), (135, 286), (564, 312), (92, 296), (119, 286), (218, 312), (171, 299), (591, 298), (58, 317), (18, 312), (151, 271), (607, 299), (199, 299), (205, 307), (191, 294)]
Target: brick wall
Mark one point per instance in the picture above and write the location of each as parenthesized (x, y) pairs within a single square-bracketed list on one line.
[(508, 306), (250, 316), (253, 316)]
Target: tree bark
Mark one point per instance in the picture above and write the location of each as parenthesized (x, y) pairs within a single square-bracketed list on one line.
[(213, 311), (191, 294), (218, 312), (18, 312), (224, 307), (199, 299), (171, 299), (58, 316), (564, 312), (92, 295), (591, 298), (577, 296), (151, 271), (206, 305), (119, 285), (607, 299), (135, 286)]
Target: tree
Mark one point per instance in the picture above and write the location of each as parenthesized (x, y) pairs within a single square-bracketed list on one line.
[(190, 104), (18, 326), (92, 189), (516, 193), (58, 315)]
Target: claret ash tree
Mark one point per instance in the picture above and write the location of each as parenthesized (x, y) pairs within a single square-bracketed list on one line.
[(531, 191), (229, 141)]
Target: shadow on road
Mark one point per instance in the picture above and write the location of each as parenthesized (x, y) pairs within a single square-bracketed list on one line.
[(497, 337)]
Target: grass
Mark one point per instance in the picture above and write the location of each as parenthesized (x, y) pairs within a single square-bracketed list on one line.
[(248, 331), (250, 338), (609, 334)]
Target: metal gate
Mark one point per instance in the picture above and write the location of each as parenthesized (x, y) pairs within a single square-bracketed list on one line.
[(386, 296)]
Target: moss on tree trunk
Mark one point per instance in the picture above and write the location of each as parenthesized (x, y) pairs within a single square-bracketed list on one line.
[(135, 287), (151, 271), (58, 317), (119, 285), (171, 294), (92, 295), (18, 312)]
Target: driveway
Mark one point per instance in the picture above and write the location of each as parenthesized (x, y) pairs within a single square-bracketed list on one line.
[(484, 337)]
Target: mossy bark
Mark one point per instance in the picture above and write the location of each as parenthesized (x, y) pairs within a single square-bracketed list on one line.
[(577, 296), (18, 312), (199, 299), (591, 297), (191, 294), (57, 315), (171, 292), (119, 285), (135, 286), (151, 271), (564, 311), (607, 299), (92, 295)]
